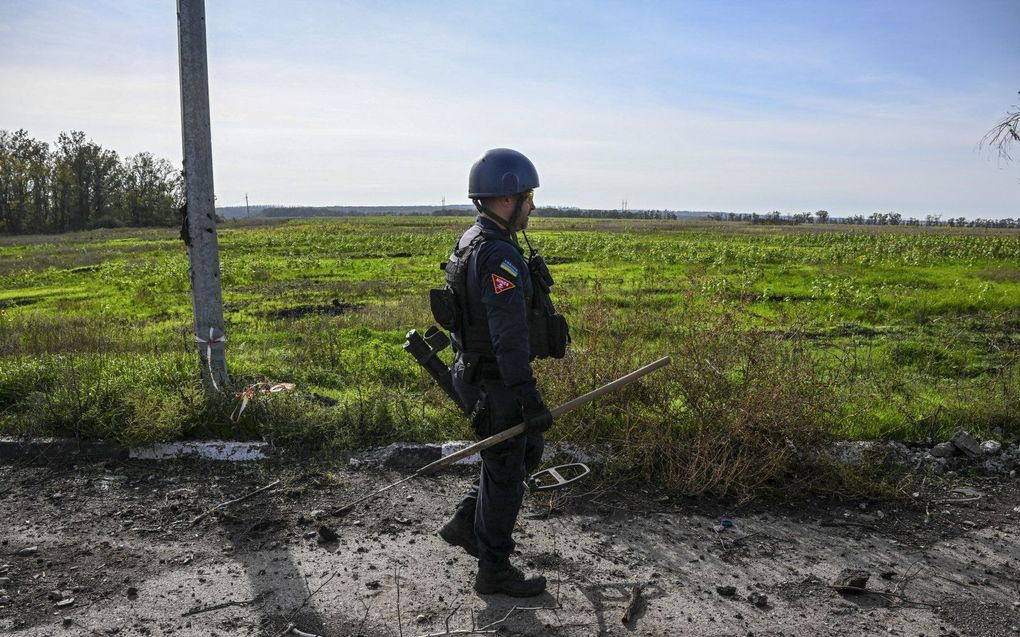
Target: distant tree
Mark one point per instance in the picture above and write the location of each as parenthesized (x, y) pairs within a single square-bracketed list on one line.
[(152, 191), (24, 182), (79, 185), (822, 216)]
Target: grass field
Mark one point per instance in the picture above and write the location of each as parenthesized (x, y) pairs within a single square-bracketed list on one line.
[(778, 332)]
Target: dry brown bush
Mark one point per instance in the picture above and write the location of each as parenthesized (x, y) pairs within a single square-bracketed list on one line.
[(733, 415)]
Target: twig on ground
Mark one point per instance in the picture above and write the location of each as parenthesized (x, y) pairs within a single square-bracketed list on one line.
[(908, 577), (632, 602), (884, 595), (450, 615), (400, 623), (862, 525), (291, 629), (202, 516), (492, 627), (311, 594), (958, 500), (206, 609)]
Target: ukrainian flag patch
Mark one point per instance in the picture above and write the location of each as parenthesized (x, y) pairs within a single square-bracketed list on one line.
[(509, 267)]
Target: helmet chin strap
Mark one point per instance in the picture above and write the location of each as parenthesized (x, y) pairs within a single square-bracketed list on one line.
[(510, 225)]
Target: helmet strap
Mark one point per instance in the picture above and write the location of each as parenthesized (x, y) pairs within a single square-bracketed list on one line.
[(516, 215), (506, 225)]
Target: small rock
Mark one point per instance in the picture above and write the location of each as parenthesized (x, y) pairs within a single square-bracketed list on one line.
[(5, 581), (27, 551), (373, 585), (943, 450), (327, 534), (318, 514), (410, 498), (421, 619), (132, 592), (966, 443), (64, 603), (991, 447), (55, 596), (850, 579), (67, 621), (4, 600), (758, 599), (726, 591)]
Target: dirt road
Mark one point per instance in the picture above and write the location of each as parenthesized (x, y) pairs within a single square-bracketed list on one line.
[(110, 549)]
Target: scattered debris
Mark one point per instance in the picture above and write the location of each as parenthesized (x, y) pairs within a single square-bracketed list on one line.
[(327, 534), (759, 600), (632, 603), (966, 443), (222, 505), (991, 447), (851, 580)]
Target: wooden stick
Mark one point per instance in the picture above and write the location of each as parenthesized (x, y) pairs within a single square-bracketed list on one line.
[(557, 412), (513, 431)]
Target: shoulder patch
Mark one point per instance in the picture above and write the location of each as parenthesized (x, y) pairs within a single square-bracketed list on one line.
[(509, 267), (501, 285)]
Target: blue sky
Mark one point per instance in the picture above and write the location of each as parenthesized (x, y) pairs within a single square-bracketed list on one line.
[(854, 107)]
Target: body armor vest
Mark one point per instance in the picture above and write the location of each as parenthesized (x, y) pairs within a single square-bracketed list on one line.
[(548, 334)]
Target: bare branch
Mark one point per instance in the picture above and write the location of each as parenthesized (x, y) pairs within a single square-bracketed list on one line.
[(1003, 135)]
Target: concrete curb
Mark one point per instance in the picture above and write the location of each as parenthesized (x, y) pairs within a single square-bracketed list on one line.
[(59, 448)]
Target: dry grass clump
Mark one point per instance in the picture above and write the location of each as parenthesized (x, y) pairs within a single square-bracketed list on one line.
[(733, 415)]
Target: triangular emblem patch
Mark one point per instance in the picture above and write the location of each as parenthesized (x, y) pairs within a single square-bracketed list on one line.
[(500, 284)]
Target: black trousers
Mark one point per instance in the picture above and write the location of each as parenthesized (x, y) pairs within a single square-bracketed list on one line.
[(494, 500)]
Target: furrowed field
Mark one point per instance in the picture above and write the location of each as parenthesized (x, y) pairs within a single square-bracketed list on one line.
[(778, 334)]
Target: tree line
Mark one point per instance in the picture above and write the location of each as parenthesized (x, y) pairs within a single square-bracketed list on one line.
[(78, 185), (874, 219)]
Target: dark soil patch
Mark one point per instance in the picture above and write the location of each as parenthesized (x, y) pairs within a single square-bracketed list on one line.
[(334, 308)]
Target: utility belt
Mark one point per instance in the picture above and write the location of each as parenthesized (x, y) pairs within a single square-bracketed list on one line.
[(479, 367)]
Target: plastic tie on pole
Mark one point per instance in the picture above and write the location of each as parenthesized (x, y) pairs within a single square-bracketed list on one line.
[(222, 338)]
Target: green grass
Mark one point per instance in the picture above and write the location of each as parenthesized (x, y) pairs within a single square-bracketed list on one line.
[(901, 332)]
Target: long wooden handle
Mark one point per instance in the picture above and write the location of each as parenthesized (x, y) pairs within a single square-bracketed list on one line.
[(558, 411)]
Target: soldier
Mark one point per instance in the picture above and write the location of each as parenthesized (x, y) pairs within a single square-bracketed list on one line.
[(496, 305)]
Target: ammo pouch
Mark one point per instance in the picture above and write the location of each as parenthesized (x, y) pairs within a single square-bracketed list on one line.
[(548, 334), (445, 309), (547, 330)]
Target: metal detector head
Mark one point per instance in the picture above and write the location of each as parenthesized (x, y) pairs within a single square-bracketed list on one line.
[(555, 478)]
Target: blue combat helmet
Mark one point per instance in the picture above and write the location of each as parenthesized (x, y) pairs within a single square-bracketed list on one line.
[(501, 172)]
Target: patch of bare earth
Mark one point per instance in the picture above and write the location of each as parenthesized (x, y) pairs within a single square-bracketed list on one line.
[(112, 549)]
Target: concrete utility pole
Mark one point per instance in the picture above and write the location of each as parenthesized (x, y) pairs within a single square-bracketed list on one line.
[(200, 223)]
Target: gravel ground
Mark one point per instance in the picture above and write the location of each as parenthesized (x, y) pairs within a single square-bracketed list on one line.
[(110, 548)]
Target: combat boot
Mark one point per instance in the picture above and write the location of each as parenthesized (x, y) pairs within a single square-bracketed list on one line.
[(460, 531), (507, 579)]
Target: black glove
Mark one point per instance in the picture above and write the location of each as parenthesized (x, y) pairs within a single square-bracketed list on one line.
[(537, 417)]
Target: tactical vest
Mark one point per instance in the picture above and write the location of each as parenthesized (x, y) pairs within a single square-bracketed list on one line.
[(548, 334)]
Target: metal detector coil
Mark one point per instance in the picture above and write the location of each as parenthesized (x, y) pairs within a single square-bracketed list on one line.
[(555, 478)]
